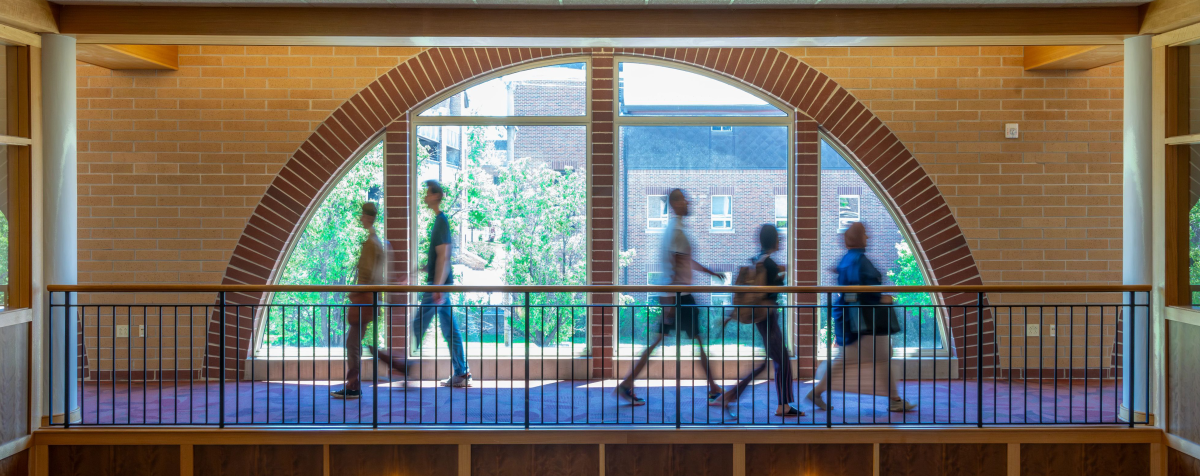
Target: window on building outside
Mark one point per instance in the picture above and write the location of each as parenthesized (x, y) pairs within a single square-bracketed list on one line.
[(781, 221), (722, 212), (721, 299), (725, 140), (656, 212), (847, 211), (516, 199), (847, 198)]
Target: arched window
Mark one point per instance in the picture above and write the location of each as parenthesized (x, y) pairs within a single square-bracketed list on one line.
[(511, 155), (727, 150), (326, 252)]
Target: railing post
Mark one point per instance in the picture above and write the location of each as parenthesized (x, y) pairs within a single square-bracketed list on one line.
[(50, 359), (375, 370), (979, 357), (678, 364), (1132, 316), (221, 366), (528, 317), (66, 363), (828, 357)]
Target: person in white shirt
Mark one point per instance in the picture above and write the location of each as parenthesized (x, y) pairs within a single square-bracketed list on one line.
[(372, 270), (677, 260)]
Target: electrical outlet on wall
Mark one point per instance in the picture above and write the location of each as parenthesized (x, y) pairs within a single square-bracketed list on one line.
[(141, 330), (1053, 330), (1033, 330), (122, 331)]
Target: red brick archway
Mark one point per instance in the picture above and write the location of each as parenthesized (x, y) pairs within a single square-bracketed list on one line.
[(383, 106)]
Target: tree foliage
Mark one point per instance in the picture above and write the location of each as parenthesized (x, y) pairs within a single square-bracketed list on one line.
[(920, 328)]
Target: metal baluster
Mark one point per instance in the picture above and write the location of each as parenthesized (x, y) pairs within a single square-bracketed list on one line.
[(978, 357), (375, 370), (829, 358), (678, 363), (1133, 371), (528, 317), (221, 367)]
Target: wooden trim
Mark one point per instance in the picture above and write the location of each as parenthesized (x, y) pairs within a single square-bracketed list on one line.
[(41, 460), (13, 140), (1158, 459), (592, 435), (1182, 445), (1183, 36), (492, 27), (14, 317), (1183, 140), (35, 234), (256, 288), (325, 460), (1162, 16), (1182, 314), (464, 459), (16, 446), (1014, 459), (739, 459), (17, 37), (124, 57), (1072, 57), (36, 16), (187, 464), (1176, 189), (875, 459)]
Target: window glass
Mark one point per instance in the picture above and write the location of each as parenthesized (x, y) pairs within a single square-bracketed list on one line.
[(717, 168), (516, 200), (722, 212), (5, 201), (656, 212), (325, 253), (1193, 152), (650, 90), (847, 198), (555, 90)]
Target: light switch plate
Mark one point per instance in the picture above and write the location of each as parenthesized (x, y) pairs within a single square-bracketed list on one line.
[(1011, 131), (1033, 330)]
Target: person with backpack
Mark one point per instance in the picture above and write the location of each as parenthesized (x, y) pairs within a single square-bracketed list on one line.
[(766, 321), (864, 365)]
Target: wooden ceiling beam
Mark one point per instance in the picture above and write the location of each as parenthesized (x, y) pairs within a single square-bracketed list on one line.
[(36, 16), (610, 27), (129, 56), (1161, 16), (1072, 57)]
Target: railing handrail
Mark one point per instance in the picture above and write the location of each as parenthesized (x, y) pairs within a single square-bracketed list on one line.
[(277, 288)]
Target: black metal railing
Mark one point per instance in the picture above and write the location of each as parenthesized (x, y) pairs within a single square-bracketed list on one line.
[(546, 356)]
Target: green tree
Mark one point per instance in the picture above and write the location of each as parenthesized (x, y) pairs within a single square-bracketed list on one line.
[(921, 326), (1194, 250)]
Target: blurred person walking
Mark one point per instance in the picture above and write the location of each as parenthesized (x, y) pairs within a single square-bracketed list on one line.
[(678, 262), (439, 273), (864, 364), (771, 332)]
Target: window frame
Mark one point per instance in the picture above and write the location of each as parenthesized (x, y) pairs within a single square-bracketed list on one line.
[(17, 138), (844, 223), (666, 215), (1174, 135), (714, 217)]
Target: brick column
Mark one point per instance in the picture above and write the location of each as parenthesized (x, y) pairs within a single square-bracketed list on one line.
[(398, 216), (804, 235), (602, 203)]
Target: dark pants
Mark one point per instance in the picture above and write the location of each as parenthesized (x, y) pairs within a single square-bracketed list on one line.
[(357, 319), (776, 351)]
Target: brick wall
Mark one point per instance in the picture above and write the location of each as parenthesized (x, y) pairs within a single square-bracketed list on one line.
[(173, 163)]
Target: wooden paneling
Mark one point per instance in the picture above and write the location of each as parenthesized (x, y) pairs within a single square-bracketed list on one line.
[(15, 465), (645, 460), (1180, 464), (1071, 459), (130, 56), (1161, 16), (101, 460), (1072, 57), (409, 460), (375, 26), (1183, 383), (802, 460), (501, 459), (14, 381), (943, 459), (565, 460), (256, 460)]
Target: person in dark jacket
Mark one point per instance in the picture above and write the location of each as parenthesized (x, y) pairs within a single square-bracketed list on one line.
[(771, 332), (864, 364)]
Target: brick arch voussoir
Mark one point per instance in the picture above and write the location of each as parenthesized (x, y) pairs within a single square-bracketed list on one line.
[(921, 209)]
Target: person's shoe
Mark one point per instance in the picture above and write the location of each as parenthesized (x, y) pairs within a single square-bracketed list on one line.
[(900, 405), (815, 397), (714, 397), (458, 381), (626, 393), (344, 394), (788, 411)]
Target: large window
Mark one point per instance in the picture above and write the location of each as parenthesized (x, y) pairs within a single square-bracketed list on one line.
[(727, 150), (511, 154), (847, 198)]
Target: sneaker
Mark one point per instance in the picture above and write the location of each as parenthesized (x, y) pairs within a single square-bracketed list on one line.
[(458, 381), (344, 394), (900, 405), (626, 393)]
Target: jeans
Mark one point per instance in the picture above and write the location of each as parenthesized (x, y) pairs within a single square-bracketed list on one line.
[(458, 354)]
